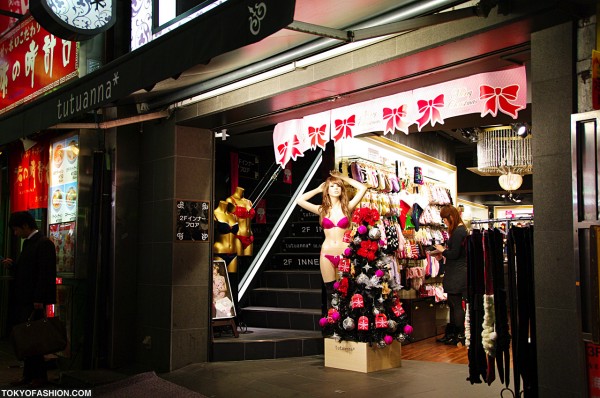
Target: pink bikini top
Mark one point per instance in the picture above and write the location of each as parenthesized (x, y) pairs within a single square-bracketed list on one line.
[(328, 224)]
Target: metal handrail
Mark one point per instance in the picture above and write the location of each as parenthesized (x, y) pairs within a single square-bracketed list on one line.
[(281, 222)]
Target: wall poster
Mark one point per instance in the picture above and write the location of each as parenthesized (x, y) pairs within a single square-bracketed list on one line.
[(63, 192), (222, 302)]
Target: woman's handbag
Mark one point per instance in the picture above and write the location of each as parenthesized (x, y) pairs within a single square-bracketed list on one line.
[(39, 337)]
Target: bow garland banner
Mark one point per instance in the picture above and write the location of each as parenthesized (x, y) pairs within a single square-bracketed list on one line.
[(485, 93)]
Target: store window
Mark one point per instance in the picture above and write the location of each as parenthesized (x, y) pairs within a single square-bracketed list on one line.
[(153, 18)]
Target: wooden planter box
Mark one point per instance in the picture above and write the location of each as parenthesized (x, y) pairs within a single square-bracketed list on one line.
[(359, 357)]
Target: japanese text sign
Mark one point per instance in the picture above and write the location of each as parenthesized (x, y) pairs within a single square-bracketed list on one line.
[(191, 221), (33, 61)]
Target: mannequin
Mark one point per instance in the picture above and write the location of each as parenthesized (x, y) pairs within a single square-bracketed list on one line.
[(244, 213), (335, 215), (226, 227)]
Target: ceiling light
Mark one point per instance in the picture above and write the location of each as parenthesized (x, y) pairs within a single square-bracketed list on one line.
[(521, 129), (510, 181)]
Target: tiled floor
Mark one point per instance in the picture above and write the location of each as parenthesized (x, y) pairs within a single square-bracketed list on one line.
[(304, 377)]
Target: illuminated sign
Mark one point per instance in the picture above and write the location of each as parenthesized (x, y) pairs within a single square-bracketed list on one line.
[(33, 61)]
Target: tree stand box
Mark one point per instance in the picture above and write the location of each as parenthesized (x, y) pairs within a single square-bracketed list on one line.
[(359, 357)]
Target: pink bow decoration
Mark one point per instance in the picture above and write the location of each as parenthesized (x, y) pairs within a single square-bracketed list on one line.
[(393, 118), (343, 127), (430, 110), (317, 136), (498, 98)]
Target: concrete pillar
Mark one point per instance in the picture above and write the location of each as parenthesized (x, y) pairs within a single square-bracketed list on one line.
[(560, 353), (173, 277)]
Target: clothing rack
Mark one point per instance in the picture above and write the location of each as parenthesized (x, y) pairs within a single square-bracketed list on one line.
[(363, 160), (502, 220)]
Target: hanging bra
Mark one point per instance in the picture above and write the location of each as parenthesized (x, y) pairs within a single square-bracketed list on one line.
[(224, 228), (242, 212), (342, 223)]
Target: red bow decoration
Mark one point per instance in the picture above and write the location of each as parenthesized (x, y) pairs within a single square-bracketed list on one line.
[(393, 118), (381, 321), (317, 136), (431, 111), (343, 127), (497, 98), (283, 149), (363, 323), (343, 287)]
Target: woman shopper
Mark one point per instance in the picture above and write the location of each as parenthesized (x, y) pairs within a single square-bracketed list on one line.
[(335, 215), (455, 277)]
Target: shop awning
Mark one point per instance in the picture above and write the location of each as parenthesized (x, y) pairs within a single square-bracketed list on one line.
[(490, 93), (232, 25)]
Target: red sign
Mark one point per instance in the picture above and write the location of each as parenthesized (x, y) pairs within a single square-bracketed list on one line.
[(33, 61), (593, 365), (29, 178)]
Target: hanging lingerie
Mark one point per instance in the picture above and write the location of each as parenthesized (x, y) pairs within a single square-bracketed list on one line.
[(342, 223), (242, 212), (334, 260), (246, 240), (224, 228)]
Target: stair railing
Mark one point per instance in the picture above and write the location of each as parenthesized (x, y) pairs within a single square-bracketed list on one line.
[(281, 222)]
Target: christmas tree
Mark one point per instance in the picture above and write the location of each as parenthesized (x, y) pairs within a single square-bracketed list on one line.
[(365, 305)]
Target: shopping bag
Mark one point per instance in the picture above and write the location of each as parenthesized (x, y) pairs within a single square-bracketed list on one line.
[(39, 337)]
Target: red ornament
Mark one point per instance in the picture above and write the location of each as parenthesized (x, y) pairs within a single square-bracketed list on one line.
[(397, 309), (363, 323), (357, 301), (344, 265), (381, 321)]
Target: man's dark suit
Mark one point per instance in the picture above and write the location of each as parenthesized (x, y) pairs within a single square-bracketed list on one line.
[(35, 282)]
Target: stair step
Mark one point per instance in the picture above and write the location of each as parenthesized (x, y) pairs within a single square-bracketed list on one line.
[(286, 297), (305, 228), (282, 318), (262, 343), (304, 243), (309, 261), (293, 279)]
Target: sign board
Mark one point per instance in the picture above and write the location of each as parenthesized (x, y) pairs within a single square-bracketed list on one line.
[(191, 221), (248, 166), (33, 61)]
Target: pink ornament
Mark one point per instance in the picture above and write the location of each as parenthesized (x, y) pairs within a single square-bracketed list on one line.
[(335, 316), (323, 322), (388, 339), (379, 273), (362, 229), (336, 285), (347, 252), (408, 329)]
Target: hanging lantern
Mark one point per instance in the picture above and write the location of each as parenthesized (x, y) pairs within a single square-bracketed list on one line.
[(500, 151), (510, 181)]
